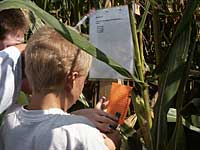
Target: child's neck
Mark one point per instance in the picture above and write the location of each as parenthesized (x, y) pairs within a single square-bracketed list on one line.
[(47, 101)]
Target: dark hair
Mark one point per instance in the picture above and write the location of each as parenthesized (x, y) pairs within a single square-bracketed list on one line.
[(11, 21)]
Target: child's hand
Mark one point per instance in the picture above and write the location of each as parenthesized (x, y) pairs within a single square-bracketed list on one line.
[(99, 118), (102, 104)]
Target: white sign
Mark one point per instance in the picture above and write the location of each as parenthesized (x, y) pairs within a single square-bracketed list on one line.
[(110, 31)]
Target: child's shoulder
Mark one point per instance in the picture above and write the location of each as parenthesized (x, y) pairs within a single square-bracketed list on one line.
[(74, 120), (78, 125), (72, 131)]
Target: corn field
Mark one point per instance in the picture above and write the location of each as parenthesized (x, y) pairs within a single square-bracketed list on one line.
[(165, 102)]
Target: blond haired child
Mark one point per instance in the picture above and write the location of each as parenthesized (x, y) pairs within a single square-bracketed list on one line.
[(13, 26), (56, 70)]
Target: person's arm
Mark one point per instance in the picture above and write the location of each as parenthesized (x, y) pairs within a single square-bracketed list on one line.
[(99, 118), (103, 121)]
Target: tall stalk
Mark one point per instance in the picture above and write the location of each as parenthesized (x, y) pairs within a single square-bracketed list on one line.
[(144, 121), (156, 31), (136, 45), (141, 51)]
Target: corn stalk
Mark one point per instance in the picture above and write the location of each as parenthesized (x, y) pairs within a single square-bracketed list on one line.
[(141, 103)]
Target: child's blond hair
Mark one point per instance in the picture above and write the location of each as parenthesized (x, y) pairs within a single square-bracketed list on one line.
[(50, 58)]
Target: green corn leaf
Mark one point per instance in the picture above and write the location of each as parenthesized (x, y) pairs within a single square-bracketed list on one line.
[(170, 81), (170, 78), (144, 16), (177, 141)]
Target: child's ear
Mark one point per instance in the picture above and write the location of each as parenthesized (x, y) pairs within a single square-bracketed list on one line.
[(74, 75), (70, 79)]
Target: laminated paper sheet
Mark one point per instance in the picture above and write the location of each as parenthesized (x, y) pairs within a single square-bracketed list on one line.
[(110, 31)]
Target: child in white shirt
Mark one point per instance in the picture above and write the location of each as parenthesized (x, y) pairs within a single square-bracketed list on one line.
[(56, 70), (13, 26)]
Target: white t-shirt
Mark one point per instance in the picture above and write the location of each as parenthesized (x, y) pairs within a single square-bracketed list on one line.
[(51, 129), (10, 77)]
